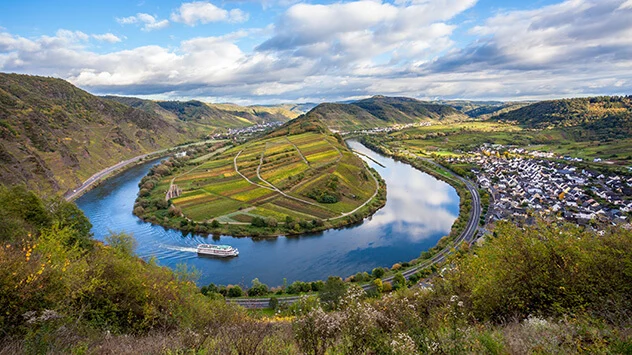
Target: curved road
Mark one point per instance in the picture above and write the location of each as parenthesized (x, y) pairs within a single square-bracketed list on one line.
[(468, 235), (103, 173)]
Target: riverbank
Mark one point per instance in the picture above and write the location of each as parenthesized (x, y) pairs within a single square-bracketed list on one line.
[(112, 171), (395, 233), (268, 227), (420, 268)]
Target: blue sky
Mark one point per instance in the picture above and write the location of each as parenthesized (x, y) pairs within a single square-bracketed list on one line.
[(274, 51)]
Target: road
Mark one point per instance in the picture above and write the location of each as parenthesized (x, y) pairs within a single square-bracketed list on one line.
[(468, 235), (107, 171)]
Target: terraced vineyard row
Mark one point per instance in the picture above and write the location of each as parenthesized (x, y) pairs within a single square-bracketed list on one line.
[(306, 176)]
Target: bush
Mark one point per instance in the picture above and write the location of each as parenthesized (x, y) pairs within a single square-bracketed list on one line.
[(274, 302), (332, 292), (258, 288), (550, 270), (378, 272), (387, 287), (234, 291), (379, 287)]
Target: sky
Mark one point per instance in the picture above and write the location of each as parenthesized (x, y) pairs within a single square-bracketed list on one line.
[(276, 51)]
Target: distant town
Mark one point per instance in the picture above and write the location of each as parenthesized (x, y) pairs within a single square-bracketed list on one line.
[(396, 127), (246, 131), (524, 183)]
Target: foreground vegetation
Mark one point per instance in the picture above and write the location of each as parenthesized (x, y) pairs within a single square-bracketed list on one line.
[(540, 289), (299, 178)]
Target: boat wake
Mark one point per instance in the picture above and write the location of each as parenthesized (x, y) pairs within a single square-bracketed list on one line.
[(177, 248)]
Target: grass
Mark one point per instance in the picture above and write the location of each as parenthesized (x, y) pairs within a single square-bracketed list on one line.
[(213, 189), (453, 139)]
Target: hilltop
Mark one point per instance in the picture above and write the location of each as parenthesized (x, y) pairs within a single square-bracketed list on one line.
[(298, 178), (605, 117), (483, 109), (216, 115), (382, 111)]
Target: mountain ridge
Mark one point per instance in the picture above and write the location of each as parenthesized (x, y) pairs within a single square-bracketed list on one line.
[(382, 111)]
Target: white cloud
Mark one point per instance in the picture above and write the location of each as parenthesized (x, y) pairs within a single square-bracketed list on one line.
[(626, 5), (192, 13), (572, 33), (356, 49), (344, 34), (107, 37), (148, 21)]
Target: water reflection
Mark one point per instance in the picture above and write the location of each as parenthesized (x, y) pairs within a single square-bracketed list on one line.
[(419, 211)]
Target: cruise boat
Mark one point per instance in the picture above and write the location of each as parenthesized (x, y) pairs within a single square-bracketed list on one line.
[(217, 250)]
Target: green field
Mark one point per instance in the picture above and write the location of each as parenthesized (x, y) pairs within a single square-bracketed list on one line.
[(305, 176), (457, 138)]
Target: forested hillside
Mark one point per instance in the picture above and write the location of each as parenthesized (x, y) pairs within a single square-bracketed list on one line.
[(215, 115), (54, 135), (595, 118), (382, 111)]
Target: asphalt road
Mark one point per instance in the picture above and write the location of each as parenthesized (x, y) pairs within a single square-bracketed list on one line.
[(105, 172)]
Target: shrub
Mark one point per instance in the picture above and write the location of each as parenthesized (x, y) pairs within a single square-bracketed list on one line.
[(332, 292), (378, 272), (258, 288), (387, 287), (234, 291)]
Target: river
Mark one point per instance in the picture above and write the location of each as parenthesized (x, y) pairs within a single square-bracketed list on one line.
[(419, 210)]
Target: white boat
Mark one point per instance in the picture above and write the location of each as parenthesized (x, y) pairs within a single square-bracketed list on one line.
[(217, 250)]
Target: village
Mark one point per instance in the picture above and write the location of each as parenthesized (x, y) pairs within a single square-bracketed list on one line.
[(246, 132), (526, 184)]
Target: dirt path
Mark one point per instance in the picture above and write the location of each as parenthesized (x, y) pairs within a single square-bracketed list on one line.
[(272, 188), (298, 150)]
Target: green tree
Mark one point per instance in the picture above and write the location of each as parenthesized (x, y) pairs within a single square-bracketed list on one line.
[(235, 291), (258, 288), (379, 287), (378, 272), (399, 281), (122, 243), (332, 292)]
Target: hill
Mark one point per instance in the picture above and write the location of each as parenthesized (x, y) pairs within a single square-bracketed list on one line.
[(586, 118), (54, 135), (382, 111), (214, 115), (483, 109), (298, 178)]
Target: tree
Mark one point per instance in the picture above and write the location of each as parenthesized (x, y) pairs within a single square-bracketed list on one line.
[(235, 291), (258, 222), (274, 302), (122, 243), (215, 224), (379, 287), (67, 214), (333, 290), (378, 272), (399, 281), (258, 288)]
